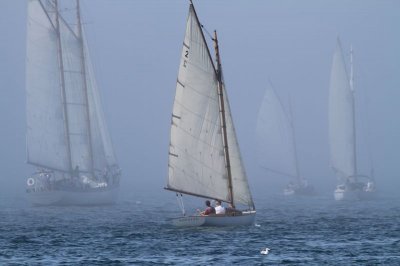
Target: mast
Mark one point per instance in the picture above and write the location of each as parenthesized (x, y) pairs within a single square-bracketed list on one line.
[(64, 96), (80, 38), (294, 142), (223, 118), (354, 112)]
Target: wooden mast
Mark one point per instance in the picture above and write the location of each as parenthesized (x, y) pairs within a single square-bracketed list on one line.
[(83, 65), (223, 118), (64, 96)]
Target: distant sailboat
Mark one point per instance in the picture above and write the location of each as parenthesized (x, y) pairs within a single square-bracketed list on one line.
[(67, 137), (342, 132), (276, 144), (204, 156)]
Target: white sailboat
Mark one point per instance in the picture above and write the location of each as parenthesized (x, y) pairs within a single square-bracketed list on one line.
[(67, 137), (276, 144), (204, 155), (342, 132)]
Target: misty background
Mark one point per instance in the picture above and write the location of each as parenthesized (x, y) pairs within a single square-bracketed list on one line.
[(135, 46)]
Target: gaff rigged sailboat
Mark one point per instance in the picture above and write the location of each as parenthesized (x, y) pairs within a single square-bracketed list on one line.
[(276, 144), (67, 137), (204, 156), (342, 132)]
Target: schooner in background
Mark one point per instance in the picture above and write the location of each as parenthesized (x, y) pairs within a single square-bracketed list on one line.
[(342, 132), (67, 137), (204, 156)]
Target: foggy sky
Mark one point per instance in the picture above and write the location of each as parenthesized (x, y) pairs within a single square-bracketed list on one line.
[(135, 46)]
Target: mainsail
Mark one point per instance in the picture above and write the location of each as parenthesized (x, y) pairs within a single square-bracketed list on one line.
[(65, 124), (275, 140), (196, 154), (341, 118)]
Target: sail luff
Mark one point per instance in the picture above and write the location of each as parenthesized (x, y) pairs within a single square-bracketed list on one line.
[(223, 119), (64, 95), (202, 35)]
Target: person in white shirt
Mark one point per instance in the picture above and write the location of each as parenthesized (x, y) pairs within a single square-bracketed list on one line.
[(218, 208)]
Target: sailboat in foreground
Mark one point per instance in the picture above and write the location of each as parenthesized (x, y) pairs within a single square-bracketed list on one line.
[(342, 133), (276, 144), (67, 137), (204, 155)]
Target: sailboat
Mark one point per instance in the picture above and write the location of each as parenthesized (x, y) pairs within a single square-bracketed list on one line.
[(67, 138), (204, 155), (276, 144), (342, 132)]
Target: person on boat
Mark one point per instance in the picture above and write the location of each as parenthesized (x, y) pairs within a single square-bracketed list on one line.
[(75, 172), (219, 209), (209, 210)]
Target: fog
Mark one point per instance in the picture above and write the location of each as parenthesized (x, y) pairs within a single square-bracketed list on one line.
[(136, 45)]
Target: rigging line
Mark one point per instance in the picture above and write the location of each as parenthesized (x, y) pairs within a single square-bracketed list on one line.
[(209, 35)]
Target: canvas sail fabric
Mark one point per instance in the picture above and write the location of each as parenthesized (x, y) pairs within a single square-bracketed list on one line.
[(275, 143), (196, 154), (341, 118), (47, 142), (103, 151), (241, 190), (77, 107), (196, 157)]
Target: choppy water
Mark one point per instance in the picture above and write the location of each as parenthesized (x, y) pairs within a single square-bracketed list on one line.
[(315, 231)]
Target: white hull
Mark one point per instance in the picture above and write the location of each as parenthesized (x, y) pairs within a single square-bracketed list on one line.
[(247, 218), (353, 195), (288, 192), (70, 197)]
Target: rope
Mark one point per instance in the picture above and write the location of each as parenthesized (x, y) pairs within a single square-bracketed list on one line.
[(206, 31)]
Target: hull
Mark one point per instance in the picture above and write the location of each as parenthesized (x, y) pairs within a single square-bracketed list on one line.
[(340, 194), (247, 218), (75, 198), (302, 191)]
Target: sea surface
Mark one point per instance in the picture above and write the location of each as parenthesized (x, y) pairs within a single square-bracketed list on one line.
[(299, 231)]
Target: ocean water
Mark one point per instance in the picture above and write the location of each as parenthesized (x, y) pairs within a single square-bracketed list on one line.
[(299, 231)]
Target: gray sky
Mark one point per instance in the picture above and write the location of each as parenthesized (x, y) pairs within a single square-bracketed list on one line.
[(136, 46)]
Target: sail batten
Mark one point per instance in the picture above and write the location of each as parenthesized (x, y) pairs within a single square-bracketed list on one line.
[(197, 163), (65, 124)]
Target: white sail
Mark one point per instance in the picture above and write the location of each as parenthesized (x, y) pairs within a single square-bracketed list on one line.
[(76, 102), (241, 190), (103, 151), (275, 142), (197, 163), (341, 118), (46, 139), (196, 156), (62, 131)]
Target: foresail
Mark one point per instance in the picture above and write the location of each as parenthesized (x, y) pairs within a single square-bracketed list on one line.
[(275, 144), (241, 190), (341, 118), (103, 151), (46, 139), (196, 156)]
